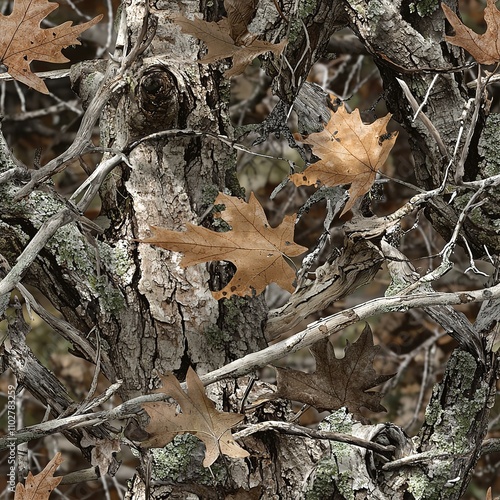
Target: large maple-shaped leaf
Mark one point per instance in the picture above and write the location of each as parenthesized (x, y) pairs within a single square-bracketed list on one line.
[(350, 152), (40, 487), (485, 49), (336, 382), (256, 249), (199, 417), (220, 45), (22, 40)]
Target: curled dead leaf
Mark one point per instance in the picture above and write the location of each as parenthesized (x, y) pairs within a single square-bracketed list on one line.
[(336, 382), (484, 48), (239, 15), (221, 45), (256, 249), (40, 487)]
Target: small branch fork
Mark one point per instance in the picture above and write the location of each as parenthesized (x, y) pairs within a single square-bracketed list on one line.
[(480, 185)]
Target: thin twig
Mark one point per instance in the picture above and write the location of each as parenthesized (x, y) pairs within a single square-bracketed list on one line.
[(426, 97), (423, 118), (196, 133), (125, 410), (44, 75), (417, 459), (298, 430), (445, 254)]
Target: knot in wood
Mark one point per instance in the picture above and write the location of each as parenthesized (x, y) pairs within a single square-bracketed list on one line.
[(157, 98)]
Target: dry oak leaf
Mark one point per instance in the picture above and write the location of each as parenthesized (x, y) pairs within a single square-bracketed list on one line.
[(256, 249), (199, 417), (239, 15), (40, 487), (22, 40), (350, 152), (485, 49), (336, 382), (220, 45)]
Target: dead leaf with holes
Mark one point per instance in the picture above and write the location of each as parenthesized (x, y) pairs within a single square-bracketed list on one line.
[(220, 45), (350, 152), (336, 382), (40, 487), (485, 48), (199, 417), (257, 250), (22, 40)]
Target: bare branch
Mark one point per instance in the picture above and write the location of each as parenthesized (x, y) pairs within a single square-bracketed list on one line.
[(298, 430), (336, 322)]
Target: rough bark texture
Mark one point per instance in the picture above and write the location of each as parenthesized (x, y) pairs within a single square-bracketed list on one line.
[(170, 320)]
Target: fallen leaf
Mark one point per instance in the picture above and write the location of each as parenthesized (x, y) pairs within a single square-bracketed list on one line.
[(40, 487), (336, 382), (485, 48), (350, 152), (256, 249), (199, 417), (239, 15), (220, 45), (22, 40), (103, 451)]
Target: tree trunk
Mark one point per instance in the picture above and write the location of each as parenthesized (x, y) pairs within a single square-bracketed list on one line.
[(170, 320)]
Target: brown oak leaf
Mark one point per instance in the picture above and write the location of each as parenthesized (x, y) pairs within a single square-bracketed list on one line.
[(350, 152), (256, 249), (220, 45), (199, 417), (485, 48), (336, 382), (40, 487), (22, 40), (239, 15)]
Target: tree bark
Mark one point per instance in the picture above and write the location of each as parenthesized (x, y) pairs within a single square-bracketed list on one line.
[(170, 320)]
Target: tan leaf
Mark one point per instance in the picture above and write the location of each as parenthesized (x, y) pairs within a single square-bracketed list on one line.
[(485, 48), (220, 45), (40, 487), (199, 417), (489, 495), (255, 248), (350, 152), (102, 451), (22, 40), (239, 15), (336, 382)]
